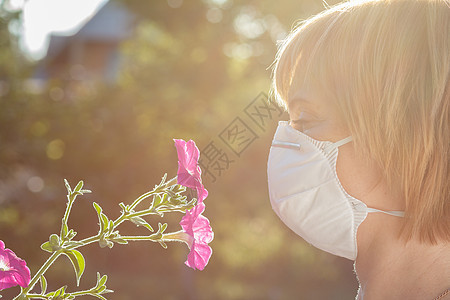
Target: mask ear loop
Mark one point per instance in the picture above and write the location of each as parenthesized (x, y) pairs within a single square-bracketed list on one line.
[(395, 213), (338, 144)]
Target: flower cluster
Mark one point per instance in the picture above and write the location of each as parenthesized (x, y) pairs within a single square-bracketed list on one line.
[(167, 196), (196, 225)]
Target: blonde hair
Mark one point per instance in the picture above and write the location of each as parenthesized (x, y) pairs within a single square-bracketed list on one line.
[(385, 65)]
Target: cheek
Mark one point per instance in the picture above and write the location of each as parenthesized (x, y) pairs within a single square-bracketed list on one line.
[(359, 176)]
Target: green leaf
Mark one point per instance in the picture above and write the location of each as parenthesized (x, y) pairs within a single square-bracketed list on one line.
[(59, 292), (54, 240), (64, 230), (109, 244), (78, 262), (100, 217), (123, 206), (162, 227), (162, 244), (141, 222), (71, 234), (110, 226), (165, 198), (69, 190), (120, 241), (104, 220), (97, 208), (47, 247), (101, 281), (157, 201), (43, 284), (79, 186), (163, 179), (100, 287)]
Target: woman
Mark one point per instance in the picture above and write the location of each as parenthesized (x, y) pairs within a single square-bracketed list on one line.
[(362, 170)]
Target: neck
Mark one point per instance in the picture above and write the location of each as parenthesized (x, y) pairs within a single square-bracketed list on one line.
[(390, 268)]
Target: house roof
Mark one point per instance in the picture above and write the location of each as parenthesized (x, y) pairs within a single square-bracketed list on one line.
[(112, 23)]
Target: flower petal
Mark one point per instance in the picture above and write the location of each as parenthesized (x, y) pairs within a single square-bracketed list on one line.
[(198, 226), (188, 154), (202, 230), (199, 256), (189, 172), (187, 179), (17, 272), (22, 273), (188, 220), (202, 193)]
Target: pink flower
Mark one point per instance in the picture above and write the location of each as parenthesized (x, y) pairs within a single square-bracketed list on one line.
[(189, 173), (202, 193), (200, 232), (197, 231), (13, 270)]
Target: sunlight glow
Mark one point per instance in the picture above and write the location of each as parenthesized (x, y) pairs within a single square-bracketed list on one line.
[(41, 17)]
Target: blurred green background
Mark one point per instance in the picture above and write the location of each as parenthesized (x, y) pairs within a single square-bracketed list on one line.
[(106, 108)]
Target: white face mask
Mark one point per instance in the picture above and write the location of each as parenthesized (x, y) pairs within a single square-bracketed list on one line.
[(307, 195)]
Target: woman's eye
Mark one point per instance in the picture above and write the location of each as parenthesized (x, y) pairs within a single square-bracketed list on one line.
[(305, 121), (300, 124)]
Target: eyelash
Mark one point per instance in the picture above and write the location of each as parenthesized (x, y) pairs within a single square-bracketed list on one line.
[(304, 123), (300, 124)]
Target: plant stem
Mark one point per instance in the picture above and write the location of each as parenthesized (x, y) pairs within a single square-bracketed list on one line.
[(138, 238), (156, 190), (68, 209), (41, 272), (85, 242), (35, 296), (96, 238), (66, 215)]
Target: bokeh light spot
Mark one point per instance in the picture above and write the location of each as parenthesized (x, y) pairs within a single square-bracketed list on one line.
[(56, 93), (248, 24), (214, 15), (238, 50), (39, 128), (9, 216), (35, 184), (175, 3), (55, 149)]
